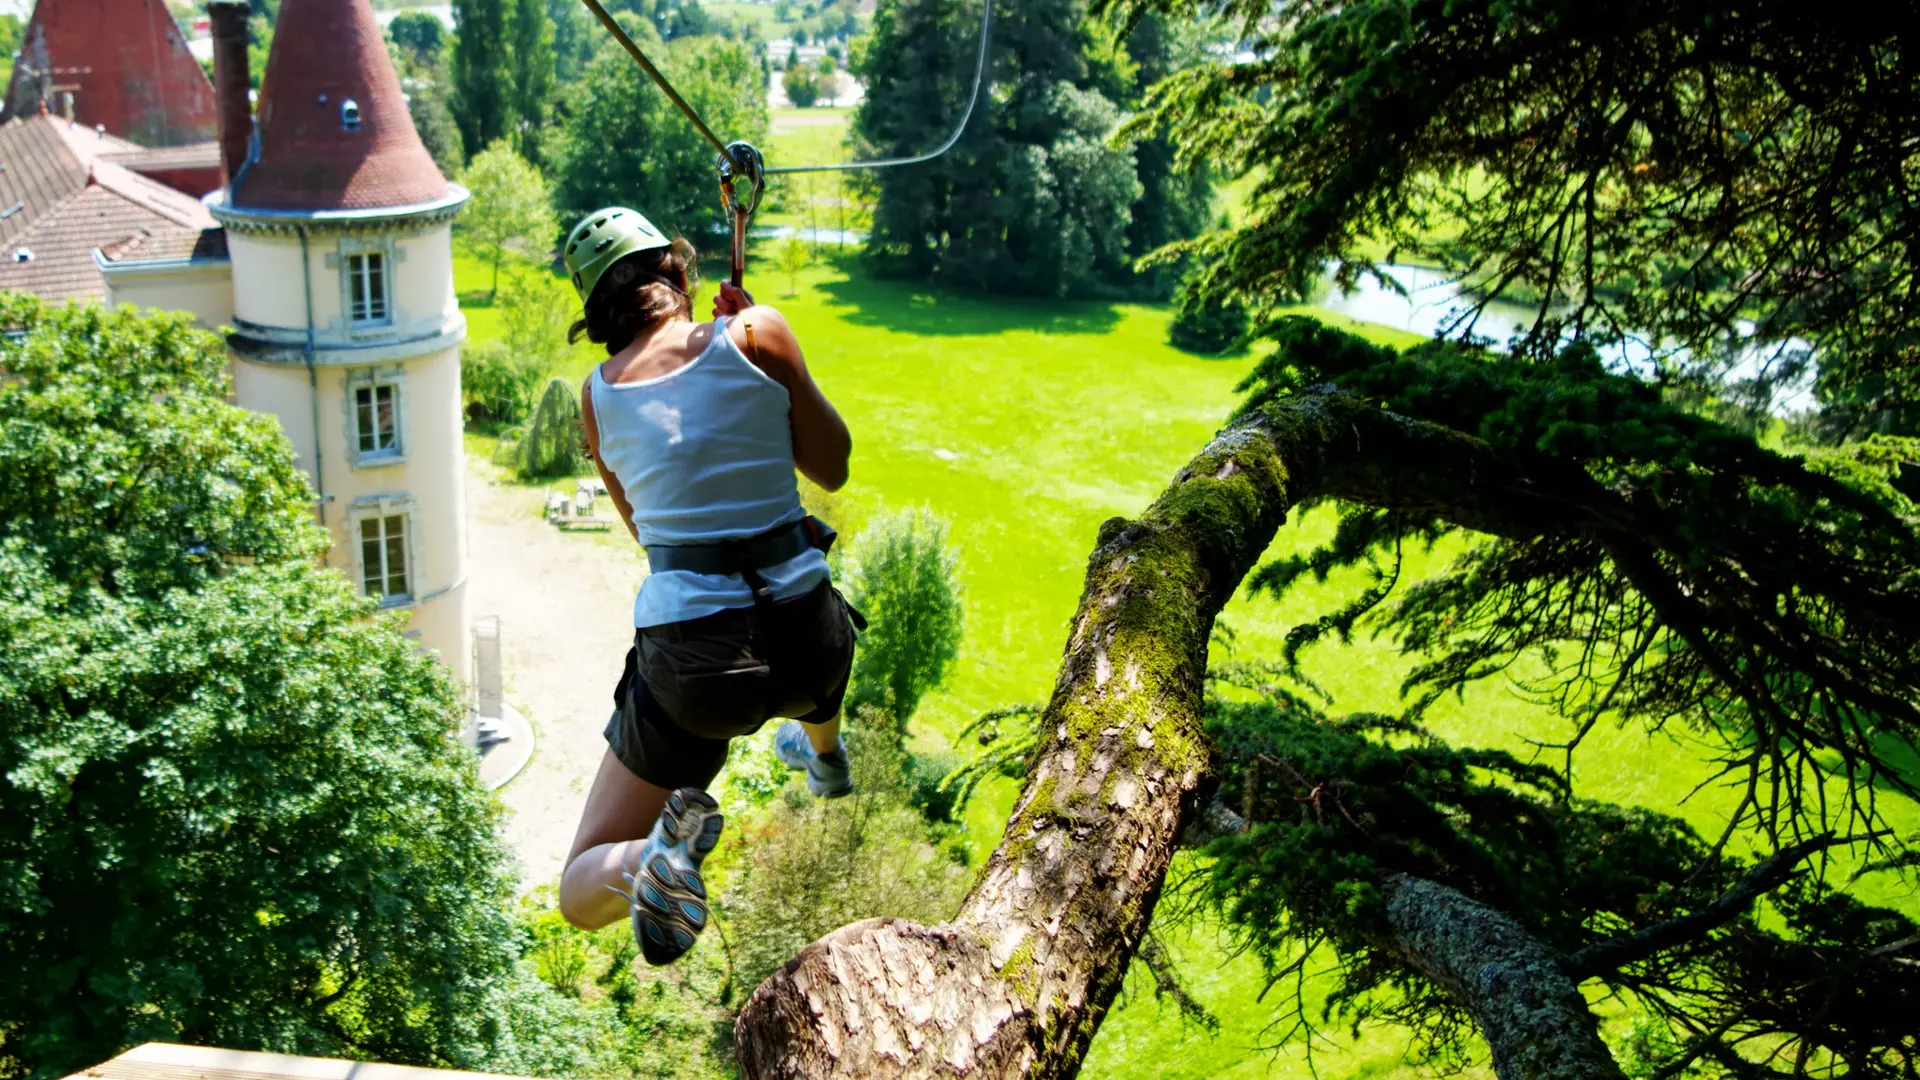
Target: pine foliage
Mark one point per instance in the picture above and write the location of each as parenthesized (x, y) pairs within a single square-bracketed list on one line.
[(555, 443), (1705, 181)]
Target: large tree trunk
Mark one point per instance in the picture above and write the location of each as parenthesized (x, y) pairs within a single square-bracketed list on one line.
[(1018, 982)]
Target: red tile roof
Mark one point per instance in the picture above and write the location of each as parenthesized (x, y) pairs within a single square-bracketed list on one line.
[(327, 53), (70, 205), (127, 65), (173, 245)]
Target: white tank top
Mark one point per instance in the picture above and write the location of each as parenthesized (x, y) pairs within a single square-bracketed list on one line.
[(705, 454)]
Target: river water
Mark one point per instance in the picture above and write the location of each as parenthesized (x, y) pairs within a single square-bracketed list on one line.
[(1433, 300)]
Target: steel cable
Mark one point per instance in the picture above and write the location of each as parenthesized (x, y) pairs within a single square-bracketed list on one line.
[(666, 87)]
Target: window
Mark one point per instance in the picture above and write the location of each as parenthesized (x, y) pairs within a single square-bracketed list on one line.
[(374, 405), (376, 415), (367, 288), (383, 557), (350, 115)]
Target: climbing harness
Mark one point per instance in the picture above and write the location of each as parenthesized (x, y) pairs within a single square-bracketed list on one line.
[(740, 161)]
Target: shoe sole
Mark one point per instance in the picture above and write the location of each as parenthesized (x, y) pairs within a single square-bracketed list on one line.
[(814, 784), (669, 895)]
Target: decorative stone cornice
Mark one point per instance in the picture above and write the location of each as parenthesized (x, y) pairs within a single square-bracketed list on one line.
[(261, 344), (387, 219)]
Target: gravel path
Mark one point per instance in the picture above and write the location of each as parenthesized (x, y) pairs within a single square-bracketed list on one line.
[(565, 602)]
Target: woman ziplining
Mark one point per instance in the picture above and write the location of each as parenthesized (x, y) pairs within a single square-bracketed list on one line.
[(697, 430)]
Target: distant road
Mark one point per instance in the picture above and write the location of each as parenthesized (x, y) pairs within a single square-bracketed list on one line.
[(202, 47), (443, 12)]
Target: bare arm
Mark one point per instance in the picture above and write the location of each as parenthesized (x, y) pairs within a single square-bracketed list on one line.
[(614, 491), (821, 442)]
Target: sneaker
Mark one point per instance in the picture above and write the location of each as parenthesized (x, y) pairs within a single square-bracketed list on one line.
[(828, 775), (669, 897)]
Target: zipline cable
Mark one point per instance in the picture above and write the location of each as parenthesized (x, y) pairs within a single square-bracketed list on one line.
[(660, 80), (979, 76), (741, 159)]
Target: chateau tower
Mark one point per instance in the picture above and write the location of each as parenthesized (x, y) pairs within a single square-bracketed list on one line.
[(121, 64), (345, 323)]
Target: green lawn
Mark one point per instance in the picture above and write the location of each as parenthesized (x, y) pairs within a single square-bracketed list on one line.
[(1026, 424), (758, 16), (814, 136)]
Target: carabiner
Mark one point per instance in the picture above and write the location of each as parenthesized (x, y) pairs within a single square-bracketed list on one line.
[(741, 160)]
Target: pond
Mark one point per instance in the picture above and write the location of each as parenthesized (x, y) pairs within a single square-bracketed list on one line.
[(1433, 299)]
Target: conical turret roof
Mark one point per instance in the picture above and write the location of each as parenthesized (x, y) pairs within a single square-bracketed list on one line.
[(333, 124), (124, 62)]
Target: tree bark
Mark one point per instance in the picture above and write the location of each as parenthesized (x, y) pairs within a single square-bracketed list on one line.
[(1511, 983), (1020, 979)]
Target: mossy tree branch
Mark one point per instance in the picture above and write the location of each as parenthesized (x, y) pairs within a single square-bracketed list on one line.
[(1018, 982)]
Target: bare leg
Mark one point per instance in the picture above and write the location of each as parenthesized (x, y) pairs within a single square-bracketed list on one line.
[(620, 811), (824, 737)]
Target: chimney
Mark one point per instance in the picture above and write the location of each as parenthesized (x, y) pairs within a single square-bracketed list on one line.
[(230, 82)]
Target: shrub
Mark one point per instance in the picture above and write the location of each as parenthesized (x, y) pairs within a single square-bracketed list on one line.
[(1212, 325), (905, 581), (554, 444), (497, 383), (808, 866)]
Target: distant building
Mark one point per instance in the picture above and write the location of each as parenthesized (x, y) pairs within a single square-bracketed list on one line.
[(333, 264), (121, 65), (67, 190), (320, 233)]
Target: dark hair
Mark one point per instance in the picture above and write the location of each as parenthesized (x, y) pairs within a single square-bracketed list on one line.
[(638, 293)]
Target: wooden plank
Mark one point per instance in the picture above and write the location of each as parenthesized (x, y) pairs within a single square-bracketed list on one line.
[(171, 1061)]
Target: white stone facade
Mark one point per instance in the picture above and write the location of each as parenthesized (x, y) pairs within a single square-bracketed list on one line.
[(345, 326)]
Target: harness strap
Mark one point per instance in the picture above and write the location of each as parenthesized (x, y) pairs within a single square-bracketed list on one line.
[(748, 557)]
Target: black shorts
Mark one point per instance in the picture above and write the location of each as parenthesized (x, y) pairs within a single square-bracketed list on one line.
[(688, 687)]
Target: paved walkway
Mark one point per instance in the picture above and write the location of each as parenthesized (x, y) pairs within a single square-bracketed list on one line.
[(565, 602)]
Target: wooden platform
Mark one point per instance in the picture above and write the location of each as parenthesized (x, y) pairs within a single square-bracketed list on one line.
[(169, 1061)]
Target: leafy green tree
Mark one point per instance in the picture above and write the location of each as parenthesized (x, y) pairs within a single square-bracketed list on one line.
[(500, 378), (1176, 198), (810, 865), (574, 31), (420, 33), (259, 46), (555, 443), (432, 113), (534, 58), (483, 71), (234, 812), (535, 310), (905, 578), (1034, 198), (794, 257), (10, 28), (802, 85), (624, 144), (510, 202)]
